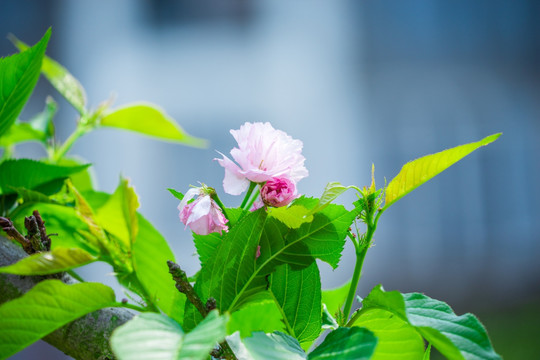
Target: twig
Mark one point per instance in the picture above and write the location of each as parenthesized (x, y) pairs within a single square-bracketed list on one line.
[(7, 226)]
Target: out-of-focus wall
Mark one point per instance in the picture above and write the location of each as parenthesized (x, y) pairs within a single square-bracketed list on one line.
[(357, 82)]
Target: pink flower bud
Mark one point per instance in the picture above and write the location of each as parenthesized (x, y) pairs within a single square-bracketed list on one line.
[(278, 192), (203, 216)]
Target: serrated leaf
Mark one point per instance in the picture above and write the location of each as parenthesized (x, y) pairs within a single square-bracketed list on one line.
[(31, 174), (227, 270), (48, 306), (18, 77), (335, 298), (154, 336), (65, 83), (118, 215), (456, 337), (50, 262), (149, 119), (395, 336), (346, 343), (331, 192), (298, 295), (415, 173), (274, 346)]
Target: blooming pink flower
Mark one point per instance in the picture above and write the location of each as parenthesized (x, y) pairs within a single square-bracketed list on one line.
[(278, 192), (203, 216), (262, 154)]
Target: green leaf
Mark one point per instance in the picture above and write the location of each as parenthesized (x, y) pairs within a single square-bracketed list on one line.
[(261, 315), (456, 337), (274, 346), (331, 192), (427, 354), (65, 83), (83, 180), (176, 194), (31, 174), (293, 216), (298, 294), (154, 336), (229, 268), (415, 173), (33, 196), (328, 322), (335, 298), (149, 119), (346, 343), (21, 132), (48, 306), (118, 215), (395, 336), (19, 74), (150, 253), (58, 260)]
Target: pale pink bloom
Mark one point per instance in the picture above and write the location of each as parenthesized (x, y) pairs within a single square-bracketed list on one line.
[(278, 192), (203, 216), (262, 153)]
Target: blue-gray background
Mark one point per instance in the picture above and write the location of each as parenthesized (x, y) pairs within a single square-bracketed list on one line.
[(359, 83)]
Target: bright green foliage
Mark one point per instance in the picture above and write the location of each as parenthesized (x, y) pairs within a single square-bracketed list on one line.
[(293, 216), (31, 174), (154, 336), (148, 119), (48, 306), (32, 196), (274, 346), (335, 298), (57, 260), (226, 275), (119, 214), (150, 253), (176, 194), (263, 315), (346, 343), (427, 354), (328, 321), (415, 173), (83, 180), (456, 337), (395, 336), (18, 77), (298, 294), (65, 83)]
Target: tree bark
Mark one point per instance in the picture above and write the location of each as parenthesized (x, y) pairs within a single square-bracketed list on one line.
[(85, 338)]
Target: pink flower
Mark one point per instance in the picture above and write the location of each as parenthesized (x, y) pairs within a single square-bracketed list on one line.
[(278, 192), (203, 215), (262, 154)]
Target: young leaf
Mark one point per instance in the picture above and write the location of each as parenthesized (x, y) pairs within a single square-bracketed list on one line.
[(331, 192), (456, 337), (298, 295), (51, 262), (154, 336), (293, 216), (395, 336), (60, 78), (346, 343), (415, 173), (33, 196), (118, 215), (48, 306), (18, 77), (335, 298), (150, 120), (31, 174), (328, 322), (176, 194), (21, 132)]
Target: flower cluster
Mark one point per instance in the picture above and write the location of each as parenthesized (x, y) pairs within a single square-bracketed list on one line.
[(265, 157)]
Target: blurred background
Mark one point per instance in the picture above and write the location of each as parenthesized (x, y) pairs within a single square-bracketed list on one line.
[(361, 82)]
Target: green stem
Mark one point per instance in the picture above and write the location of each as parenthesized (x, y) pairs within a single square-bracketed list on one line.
[(254, 197), (248, 194), (216, 198), (131, 306), (60, 152), (360, 256)]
